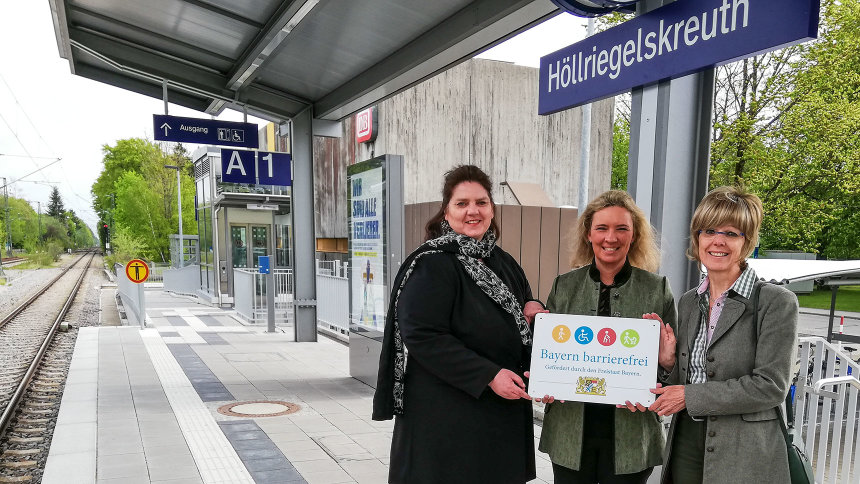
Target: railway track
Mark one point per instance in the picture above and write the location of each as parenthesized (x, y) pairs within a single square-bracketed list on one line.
[(33, 369)]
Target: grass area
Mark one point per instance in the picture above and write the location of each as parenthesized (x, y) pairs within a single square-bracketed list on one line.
[(847, 299)]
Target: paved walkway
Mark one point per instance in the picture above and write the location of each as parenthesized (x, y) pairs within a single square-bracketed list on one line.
[(141, 406)]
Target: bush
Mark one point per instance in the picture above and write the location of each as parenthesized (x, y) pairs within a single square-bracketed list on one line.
[(125, 247)]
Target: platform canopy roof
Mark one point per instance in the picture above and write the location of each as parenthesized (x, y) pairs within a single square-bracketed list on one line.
[(276, 58), (785, 271)]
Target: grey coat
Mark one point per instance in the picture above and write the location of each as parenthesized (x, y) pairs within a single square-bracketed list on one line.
[(748, 371)]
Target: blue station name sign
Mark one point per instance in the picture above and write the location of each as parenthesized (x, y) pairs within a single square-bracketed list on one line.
[(672, 41), (205, 131)]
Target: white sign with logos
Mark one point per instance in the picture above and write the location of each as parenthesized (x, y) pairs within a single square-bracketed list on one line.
[(594, 359)]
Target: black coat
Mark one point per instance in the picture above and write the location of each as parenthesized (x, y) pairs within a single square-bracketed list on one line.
[(455, 428)]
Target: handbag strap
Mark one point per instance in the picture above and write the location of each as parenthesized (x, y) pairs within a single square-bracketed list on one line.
[(755, 294)]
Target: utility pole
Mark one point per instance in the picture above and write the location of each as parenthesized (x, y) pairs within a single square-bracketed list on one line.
[(179, 205), (8, 230)]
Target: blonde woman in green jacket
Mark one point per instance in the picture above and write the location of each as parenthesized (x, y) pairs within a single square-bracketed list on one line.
[(614, 256)]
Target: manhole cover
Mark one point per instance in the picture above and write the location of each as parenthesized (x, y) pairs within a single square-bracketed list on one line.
[(259, 408)]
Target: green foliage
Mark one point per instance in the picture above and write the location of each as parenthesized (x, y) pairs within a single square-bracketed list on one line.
[(23, 224), (125, 247), (137, 214), (55, 205), (43, 256), (620, 153), (136, 194), (606, 22), (847, 299), (55, 231), (787, 126)]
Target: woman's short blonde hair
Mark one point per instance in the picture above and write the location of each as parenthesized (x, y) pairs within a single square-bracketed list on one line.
[(727, 206), (643, 250)]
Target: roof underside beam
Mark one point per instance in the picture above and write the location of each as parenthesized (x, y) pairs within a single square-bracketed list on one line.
[(468, 32), (271, 36), (200, 85)]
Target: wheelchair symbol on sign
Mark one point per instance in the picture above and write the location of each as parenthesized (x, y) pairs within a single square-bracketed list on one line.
[(238, 135), (584, 335)]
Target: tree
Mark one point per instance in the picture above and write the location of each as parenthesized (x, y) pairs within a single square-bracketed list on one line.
[(620, 152), (55, 205), (809, 175), (127, 155), (787, 126), (137, 194)]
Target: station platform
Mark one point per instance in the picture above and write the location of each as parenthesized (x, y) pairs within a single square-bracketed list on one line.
[(148, 406), (142, 406)]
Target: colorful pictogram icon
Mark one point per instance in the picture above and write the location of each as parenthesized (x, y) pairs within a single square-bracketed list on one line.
[(629, 338), (584, 335), (606, 336), (561, 333)]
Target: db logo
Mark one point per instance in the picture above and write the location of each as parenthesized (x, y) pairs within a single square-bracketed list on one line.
[(561, 333)]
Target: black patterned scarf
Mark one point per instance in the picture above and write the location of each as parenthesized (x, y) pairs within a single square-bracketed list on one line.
[(389, 397)]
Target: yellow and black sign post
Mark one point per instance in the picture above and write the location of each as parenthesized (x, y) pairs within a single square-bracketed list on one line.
[(137, 272)]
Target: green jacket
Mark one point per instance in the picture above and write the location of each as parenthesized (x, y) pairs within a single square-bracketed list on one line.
[(639, 437)]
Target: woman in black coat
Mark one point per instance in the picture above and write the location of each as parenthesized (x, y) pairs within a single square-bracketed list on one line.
[(458, 391)]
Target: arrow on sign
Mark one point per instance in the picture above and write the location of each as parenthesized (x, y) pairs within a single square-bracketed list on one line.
[(166, 127)]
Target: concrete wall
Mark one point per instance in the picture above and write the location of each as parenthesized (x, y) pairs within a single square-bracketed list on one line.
[(481, 112)]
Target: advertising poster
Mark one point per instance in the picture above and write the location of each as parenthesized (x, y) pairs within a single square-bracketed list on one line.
[(367, 244), (594, 359)]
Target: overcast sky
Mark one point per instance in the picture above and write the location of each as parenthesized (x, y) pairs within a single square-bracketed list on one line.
[(47, 113)]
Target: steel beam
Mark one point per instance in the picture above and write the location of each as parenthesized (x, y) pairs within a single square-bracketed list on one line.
[(201, 83), (481, 25), (283, 21), (304, 304), (670, 132)]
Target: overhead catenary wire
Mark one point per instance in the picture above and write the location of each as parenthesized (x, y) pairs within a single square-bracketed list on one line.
[(24, 112)]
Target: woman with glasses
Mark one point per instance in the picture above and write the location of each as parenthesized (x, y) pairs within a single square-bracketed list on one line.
[(733, 352)]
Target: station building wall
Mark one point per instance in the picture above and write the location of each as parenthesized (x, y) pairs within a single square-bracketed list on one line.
[(481, 112)]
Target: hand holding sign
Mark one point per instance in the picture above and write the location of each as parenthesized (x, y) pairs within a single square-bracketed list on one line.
[(594, 359)]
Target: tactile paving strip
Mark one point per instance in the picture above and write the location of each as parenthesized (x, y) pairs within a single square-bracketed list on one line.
[(213, 454)]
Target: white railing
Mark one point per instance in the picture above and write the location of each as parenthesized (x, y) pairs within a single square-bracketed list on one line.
[(156, 271), (243, 293), (333, 297), (129, 292), (182, 281), (249, 295), (826, 411)]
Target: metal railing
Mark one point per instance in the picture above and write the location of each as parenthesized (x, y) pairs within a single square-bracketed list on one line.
[(333, 296), (249, 295), (130, 294), (156, 271), (826, 411), (182, 281)]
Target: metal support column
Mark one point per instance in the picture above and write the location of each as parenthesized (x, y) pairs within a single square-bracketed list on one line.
[(670, 133), (301, 139)]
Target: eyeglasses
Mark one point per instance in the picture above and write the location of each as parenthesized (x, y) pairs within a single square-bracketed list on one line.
[(711, 233)]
